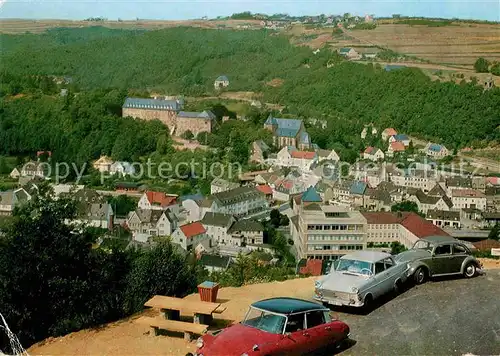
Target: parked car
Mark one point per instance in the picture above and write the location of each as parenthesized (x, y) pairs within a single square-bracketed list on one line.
[(277, 326), (358, 278), (439, 256)]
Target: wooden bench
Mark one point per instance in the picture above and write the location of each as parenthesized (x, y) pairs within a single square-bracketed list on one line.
[(173, 325)]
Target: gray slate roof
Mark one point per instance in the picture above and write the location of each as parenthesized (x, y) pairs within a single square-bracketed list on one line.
[(236, 195), (215, 261), (216, 219), (246, 225), (207, 114), (152, 104)]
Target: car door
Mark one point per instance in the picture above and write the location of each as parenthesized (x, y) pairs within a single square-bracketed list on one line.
[(319, 329), (392, 273), (459, 255), (441, 259), (379, 279), (296, 338)]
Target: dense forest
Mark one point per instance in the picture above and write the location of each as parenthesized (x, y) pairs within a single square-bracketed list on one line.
[(187, 60)]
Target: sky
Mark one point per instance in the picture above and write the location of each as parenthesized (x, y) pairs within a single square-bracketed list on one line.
[(190, 9)]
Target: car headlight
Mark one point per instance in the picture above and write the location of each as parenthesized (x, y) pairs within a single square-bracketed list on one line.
[(355, 290), (199, 343), (317, 284)]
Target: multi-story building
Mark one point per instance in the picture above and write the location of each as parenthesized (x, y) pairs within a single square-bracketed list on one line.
[(221, 185), (419, 179), (11, 199), (468, 199), (326, 231), (148, 223), (403, 227), (188, 236), (168, 111), (240, 202), (158, 201), (217, 226)]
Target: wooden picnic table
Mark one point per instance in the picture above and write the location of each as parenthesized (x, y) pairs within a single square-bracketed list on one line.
[(172, 307)]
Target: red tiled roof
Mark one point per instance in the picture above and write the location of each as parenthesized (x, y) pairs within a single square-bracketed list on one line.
[(493, 180), (369, 150), (390, 131), (467, 193), (264, 188), (397, 146), (385, 217), (287, 184), (159, 198), (303, 154), (194, 229), (420, 227), (486, 244)]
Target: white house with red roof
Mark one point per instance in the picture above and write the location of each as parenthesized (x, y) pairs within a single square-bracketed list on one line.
[(190, 235), (289, 156), (388, 132), (395, 147), (373, 154), (159, 201)]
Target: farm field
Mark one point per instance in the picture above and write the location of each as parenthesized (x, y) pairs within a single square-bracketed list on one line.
[(458, 44), (18, 26)]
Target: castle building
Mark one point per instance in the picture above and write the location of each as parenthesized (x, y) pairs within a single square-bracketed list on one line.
[(288, 132), (168, 111)]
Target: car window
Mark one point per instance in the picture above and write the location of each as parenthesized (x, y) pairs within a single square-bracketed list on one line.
[(295, 323), (379, 267), (315, 318), (443, 250), (459, 250), (388, 263)]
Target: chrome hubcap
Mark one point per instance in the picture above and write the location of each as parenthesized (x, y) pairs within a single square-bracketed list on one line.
[(470, 270), (420, 276)]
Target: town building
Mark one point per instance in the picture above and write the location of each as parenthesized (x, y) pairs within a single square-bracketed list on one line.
[(326, 231), (158, 201), (395, 147), (195, 122), (349, 53), (388, 132), (190, 235), (149, 223), (100, 215), (457, 183), (413, 178), (247, 232), (436, 151), (103, 164), (221, 82), (289, 156), (122, 168), (468, 198), (259, 151), (404, 139), (288, 132), (30, 169), (327, 155), (373, 154), (217, 226), (426, 202), (444, 218), (240, 202), (403, 227), (215, 263), (11, 199), (221, 185)]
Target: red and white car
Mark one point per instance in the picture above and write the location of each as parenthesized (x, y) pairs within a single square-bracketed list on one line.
[(277, 326)]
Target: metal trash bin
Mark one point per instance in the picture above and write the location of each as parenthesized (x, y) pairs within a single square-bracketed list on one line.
[(208, 291)]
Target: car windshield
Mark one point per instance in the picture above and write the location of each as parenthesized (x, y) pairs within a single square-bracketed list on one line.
[(422, 245), (265, 321), (354, 266)]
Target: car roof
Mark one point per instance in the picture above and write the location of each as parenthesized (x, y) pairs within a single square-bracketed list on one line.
[(440, 239), (285, 305), (366, 256)]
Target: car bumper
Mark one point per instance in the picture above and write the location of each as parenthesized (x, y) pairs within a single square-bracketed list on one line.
[(354, 302)]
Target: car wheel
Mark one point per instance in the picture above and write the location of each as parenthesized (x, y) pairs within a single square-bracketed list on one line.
[(398, 287), (470, 270), (420, 275), (368, 303)]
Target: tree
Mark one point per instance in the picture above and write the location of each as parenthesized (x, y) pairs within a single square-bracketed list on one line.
[(4, 168), (495, 232), (122, 204), (397, 247), (481, 65), (405, 206), (53, 281), (495, 69), (163, 271), (188, 135)]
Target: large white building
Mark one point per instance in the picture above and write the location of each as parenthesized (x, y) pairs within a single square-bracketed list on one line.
[(327, 232), (240, 202), (468, 199)]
